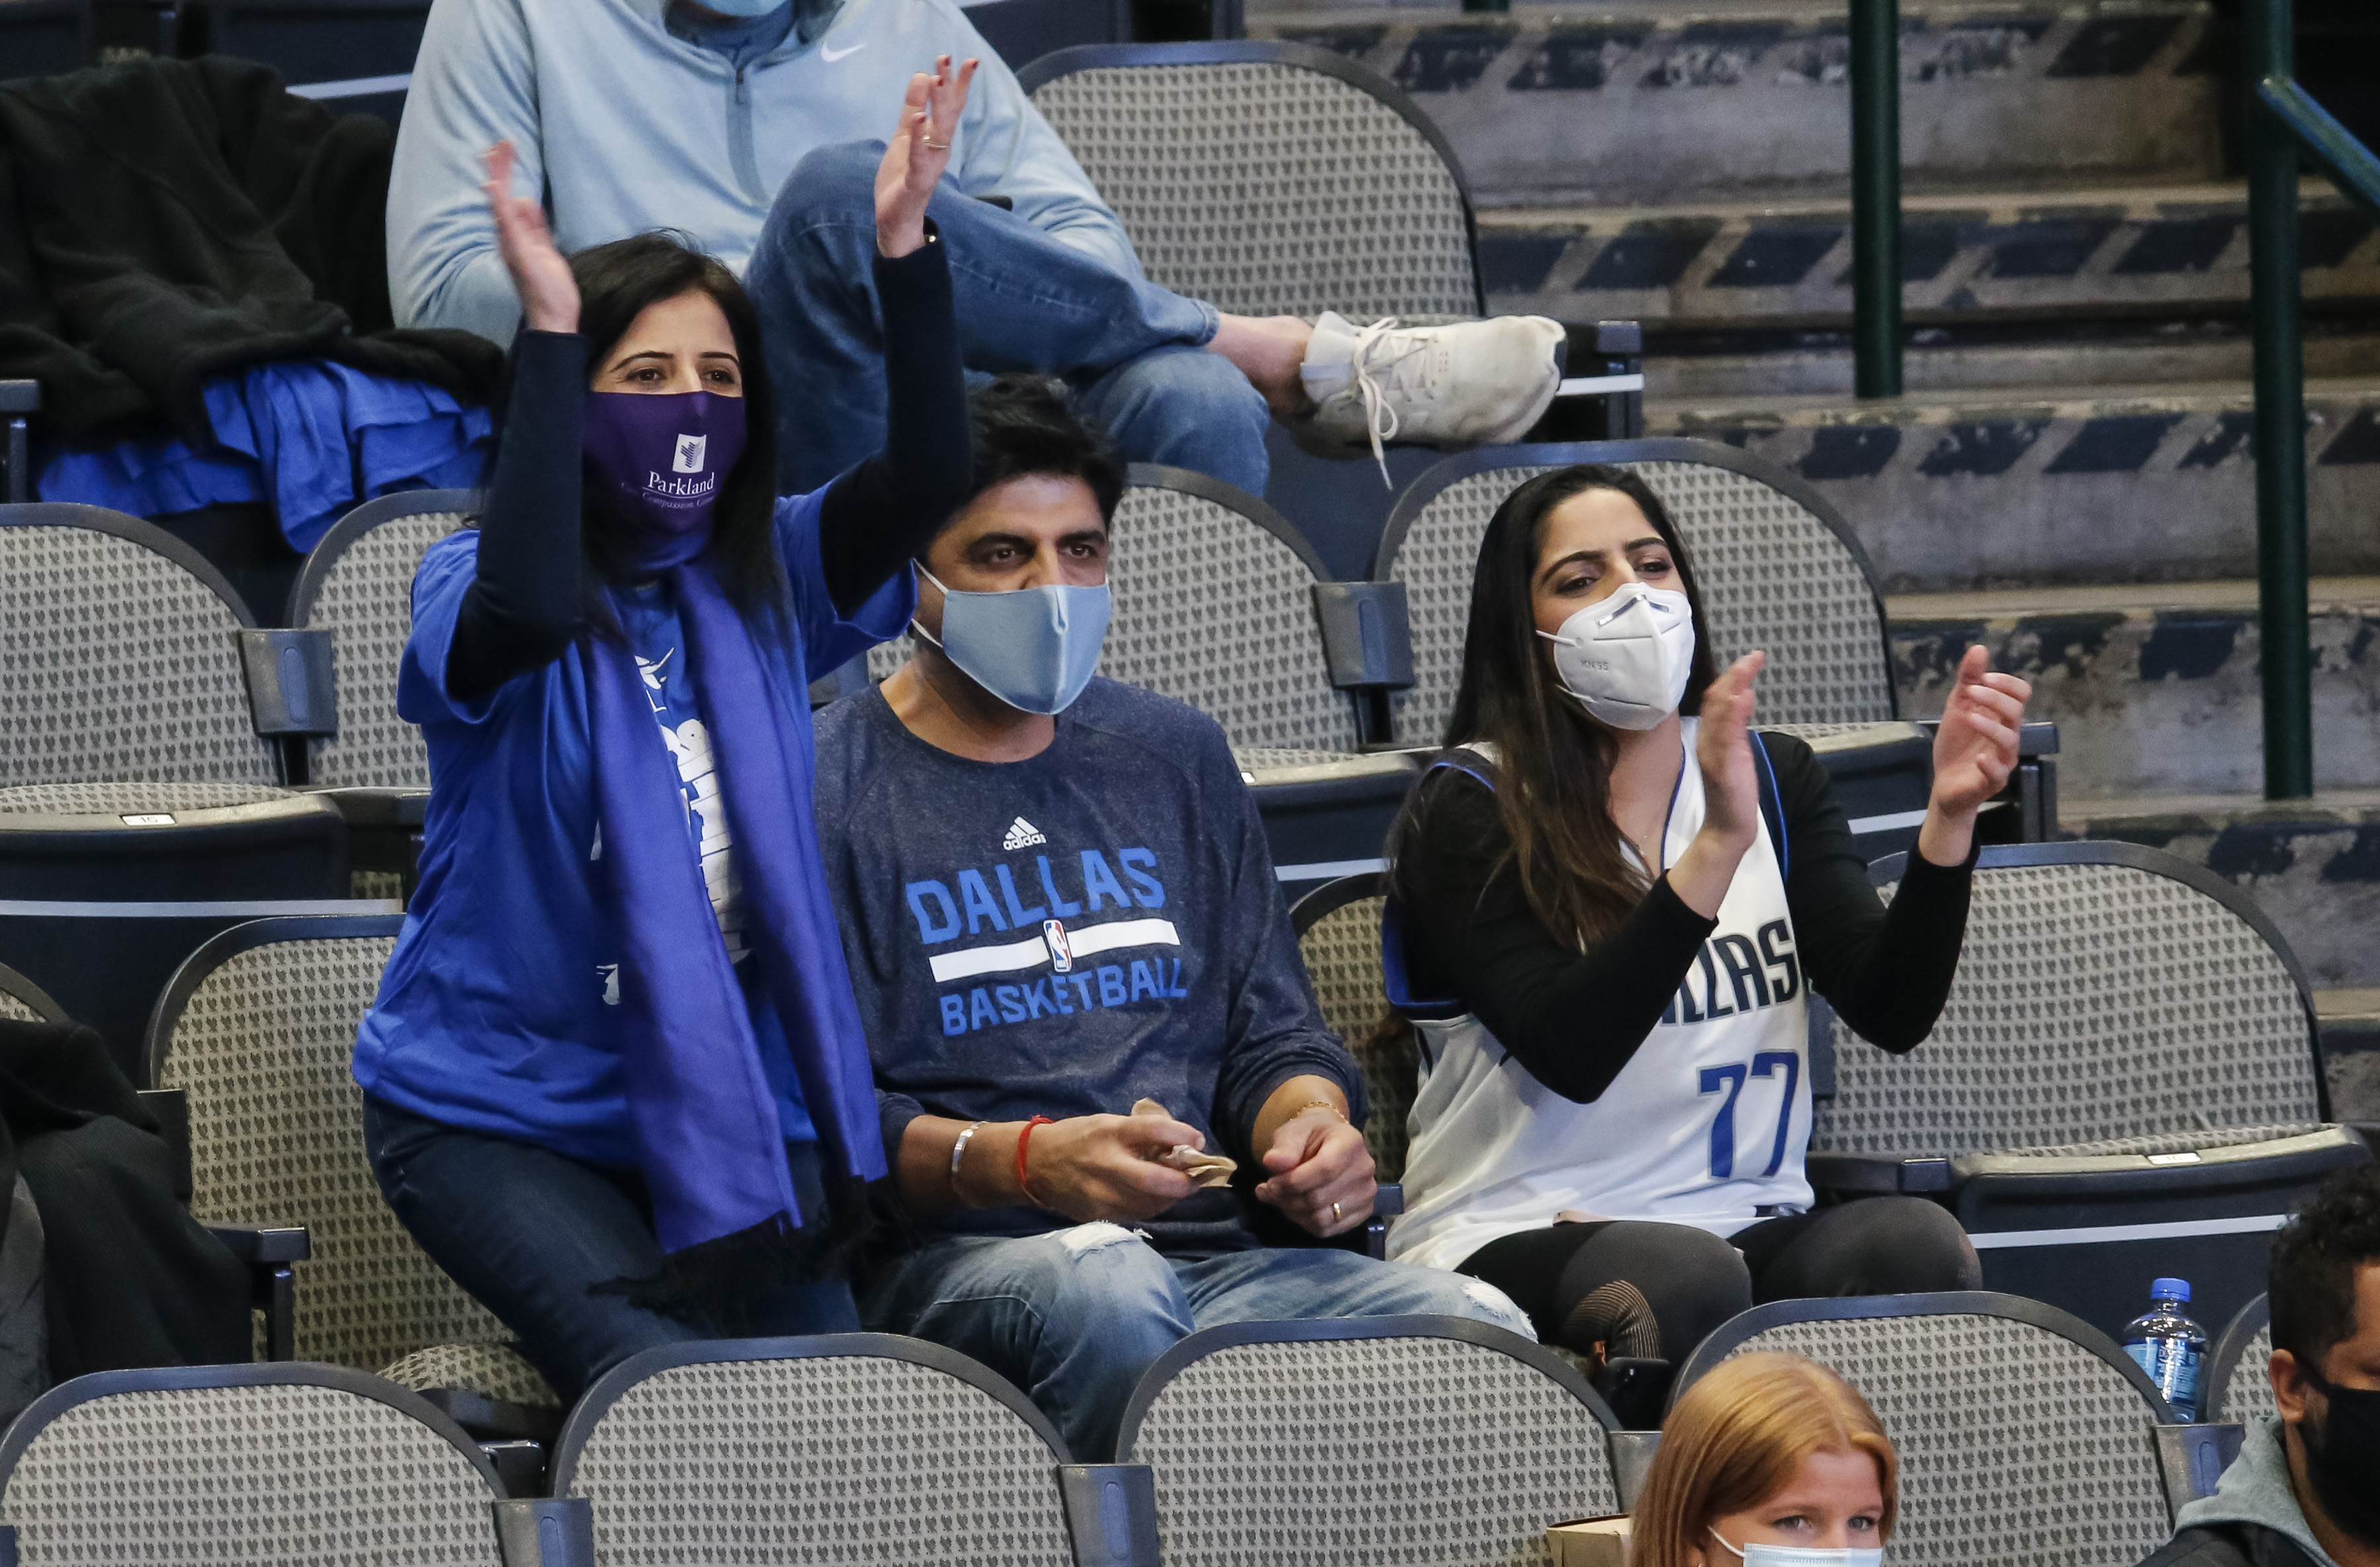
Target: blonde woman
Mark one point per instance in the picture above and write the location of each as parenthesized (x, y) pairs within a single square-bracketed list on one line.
[(1770, 1461)]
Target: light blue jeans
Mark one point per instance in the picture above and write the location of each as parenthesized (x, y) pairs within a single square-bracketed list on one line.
[(1134, 352), (1074, 1318)]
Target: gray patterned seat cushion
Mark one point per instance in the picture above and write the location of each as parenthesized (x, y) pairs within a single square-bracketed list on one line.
[(1772, 574), (1343, 959), (366, 603), (1391, 1452), (276, 1137), (495, 1371), (116, 662), (844, 1459), (16, 1010), (271, 1477), (1270, 190), (2247, 1394), (114, 798), (2009, 1435), (1215, 612), (2098, 1008)]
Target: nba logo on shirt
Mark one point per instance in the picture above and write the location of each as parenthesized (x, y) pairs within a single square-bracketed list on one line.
[(1062, 956), (690, 450)]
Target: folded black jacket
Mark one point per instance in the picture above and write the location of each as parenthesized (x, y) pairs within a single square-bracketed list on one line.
[(165, 222)]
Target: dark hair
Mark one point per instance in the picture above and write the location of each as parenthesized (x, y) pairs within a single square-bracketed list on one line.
[(1021, 425), (616, 281), (2310, 1282), (1553, 762)]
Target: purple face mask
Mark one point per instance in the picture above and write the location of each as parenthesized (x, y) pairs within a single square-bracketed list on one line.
[(662, 459)]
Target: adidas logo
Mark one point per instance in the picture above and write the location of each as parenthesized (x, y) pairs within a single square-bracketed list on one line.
[(1022, 834)]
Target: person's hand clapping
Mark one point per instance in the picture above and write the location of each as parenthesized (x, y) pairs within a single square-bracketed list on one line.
[(1317, 1159), (1975, 752), (1089, 1167), (1723, 751), (918, 155), (549, 294)]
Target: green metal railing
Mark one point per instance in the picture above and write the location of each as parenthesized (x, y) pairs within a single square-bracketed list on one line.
[(2284, 125)]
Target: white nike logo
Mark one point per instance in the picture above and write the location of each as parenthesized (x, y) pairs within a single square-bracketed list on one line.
[(831, 56)]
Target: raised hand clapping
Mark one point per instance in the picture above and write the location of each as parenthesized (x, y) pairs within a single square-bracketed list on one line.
[(1975, 752), (919, 152), (549, 294)]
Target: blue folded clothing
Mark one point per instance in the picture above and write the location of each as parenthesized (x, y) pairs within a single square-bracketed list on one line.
[(311, 437)]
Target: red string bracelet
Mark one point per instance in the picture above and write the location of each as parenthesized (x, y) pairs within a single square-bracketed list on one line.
[(1022, 1139)]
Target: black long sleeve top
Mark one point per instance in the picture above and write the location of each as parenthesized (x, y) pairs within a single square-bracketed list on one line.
[(1576, 1016), (528, 601)]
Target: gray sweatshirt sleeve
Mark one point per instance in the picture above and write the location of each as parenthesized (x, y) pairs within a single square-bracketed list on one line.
[(1276, 1028), (474, 85)]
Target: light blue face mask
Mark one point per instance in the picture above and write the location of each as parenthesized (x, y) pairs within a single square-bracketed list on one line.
[(1034, 647), (742, 9), (1758, 1555)]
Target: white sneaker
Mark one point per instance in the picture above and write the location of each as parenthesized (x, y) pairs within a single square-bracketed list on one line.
[(1472, 383)]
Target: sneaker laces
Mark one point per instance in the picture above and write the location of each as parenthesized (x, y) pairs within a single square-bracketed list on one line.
[(1380, 417)]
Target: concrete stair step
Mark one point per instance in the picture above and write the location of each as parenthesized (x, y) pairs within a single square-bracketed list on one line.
[(1956, 491), (2156, 690), (1648, 101), (2313, 866), (2159, 251)]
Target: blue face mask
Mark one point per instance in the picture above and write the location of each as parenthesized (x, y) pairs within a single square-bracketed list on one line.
[(742, 9), (1034, 649)]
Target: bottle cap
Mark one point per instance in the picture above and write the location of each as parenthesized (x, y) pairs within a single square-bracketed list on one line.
[(2169, 1289)]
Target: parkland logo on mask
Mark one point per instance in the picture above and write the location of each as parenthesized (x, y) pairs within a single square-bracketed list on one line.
[(690, 450)]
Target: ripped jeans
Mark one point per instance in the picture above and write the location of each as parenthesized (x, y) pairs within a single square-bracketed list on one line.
[(1075, 1317)]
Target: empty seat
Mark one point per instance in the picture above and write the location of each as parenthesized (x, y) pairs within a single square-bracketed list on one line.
[(1215, 605), (2123, 1083), (856, 1447), (2235, 1384), (1338, 926), (1394, 1438), (258, 1031), (257, 1463), (135, 767), (2027, 1438)]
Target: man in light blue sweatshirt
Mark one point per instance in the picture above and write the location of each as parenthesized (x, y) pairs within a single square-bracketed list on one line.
[(753, 127)]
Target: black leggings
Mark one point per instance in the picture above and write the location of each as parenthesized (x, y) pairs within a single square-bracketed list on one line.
[(1638, 1288)]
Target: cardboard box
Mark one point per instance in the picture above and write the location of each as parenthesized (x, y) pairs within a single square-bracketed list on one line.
[(1589, 1542)]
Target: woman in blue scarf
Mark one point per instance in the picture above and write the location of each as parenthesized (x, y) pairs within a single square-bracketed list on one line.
[(615, 1083)]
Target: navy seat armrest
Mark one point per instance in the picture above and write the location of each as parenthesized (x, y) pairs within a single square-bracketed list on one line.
[(1111, 1513), (2190, 1459), (1877, 1173)]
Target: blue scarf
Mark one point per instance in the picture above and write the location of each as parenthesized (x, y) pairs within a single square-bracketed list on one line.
[(713, 1155)]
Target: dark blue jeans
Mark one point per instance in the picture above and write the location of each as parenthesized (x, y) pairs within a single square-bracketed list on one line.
[(1134, 352), (529, 1233)]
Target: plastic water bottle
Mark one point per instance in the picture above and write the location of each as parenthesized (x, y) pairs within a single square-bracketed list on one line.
[(2169, 1345)]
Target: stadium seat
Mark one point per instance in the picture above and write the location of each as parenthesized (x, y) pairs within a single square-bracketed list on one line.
[(1219, 604), (2235, 1387), (2027, 1438), (1338, 926), (146, 715), (1404, 1439), (357, 585), (256, 1032), (2123, 1084), (45, 37), (1778, 569), (21, 1000), (851, 1446), (263, 1463)]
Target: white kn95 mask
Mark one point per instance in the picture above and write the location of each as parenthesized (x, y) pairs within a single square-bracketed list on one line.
[(1627, 657), (1802, 1555)]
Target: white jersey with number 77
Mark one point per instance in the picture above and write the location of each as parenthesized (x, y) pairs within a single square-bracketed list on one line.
[(1706, 1125)]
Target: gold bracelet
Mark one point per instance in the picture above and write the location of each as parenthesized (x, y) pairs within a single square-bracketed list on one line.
[(1321, 1104)]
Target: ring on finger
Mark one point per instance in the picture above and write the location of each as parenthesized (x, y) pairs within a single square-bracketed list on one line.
[(1336, 1217), (938, 146)]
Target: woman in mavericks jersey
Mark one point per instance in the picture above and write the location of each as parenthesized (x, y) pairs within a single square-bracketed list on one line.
[(1614, 1105)]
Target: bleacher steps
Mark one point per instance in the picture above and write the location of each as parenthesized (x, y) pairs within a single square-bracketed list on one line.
[(2313, 865), (2155, 688), (1955, 491), (1648, 101), (2158, 252)]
